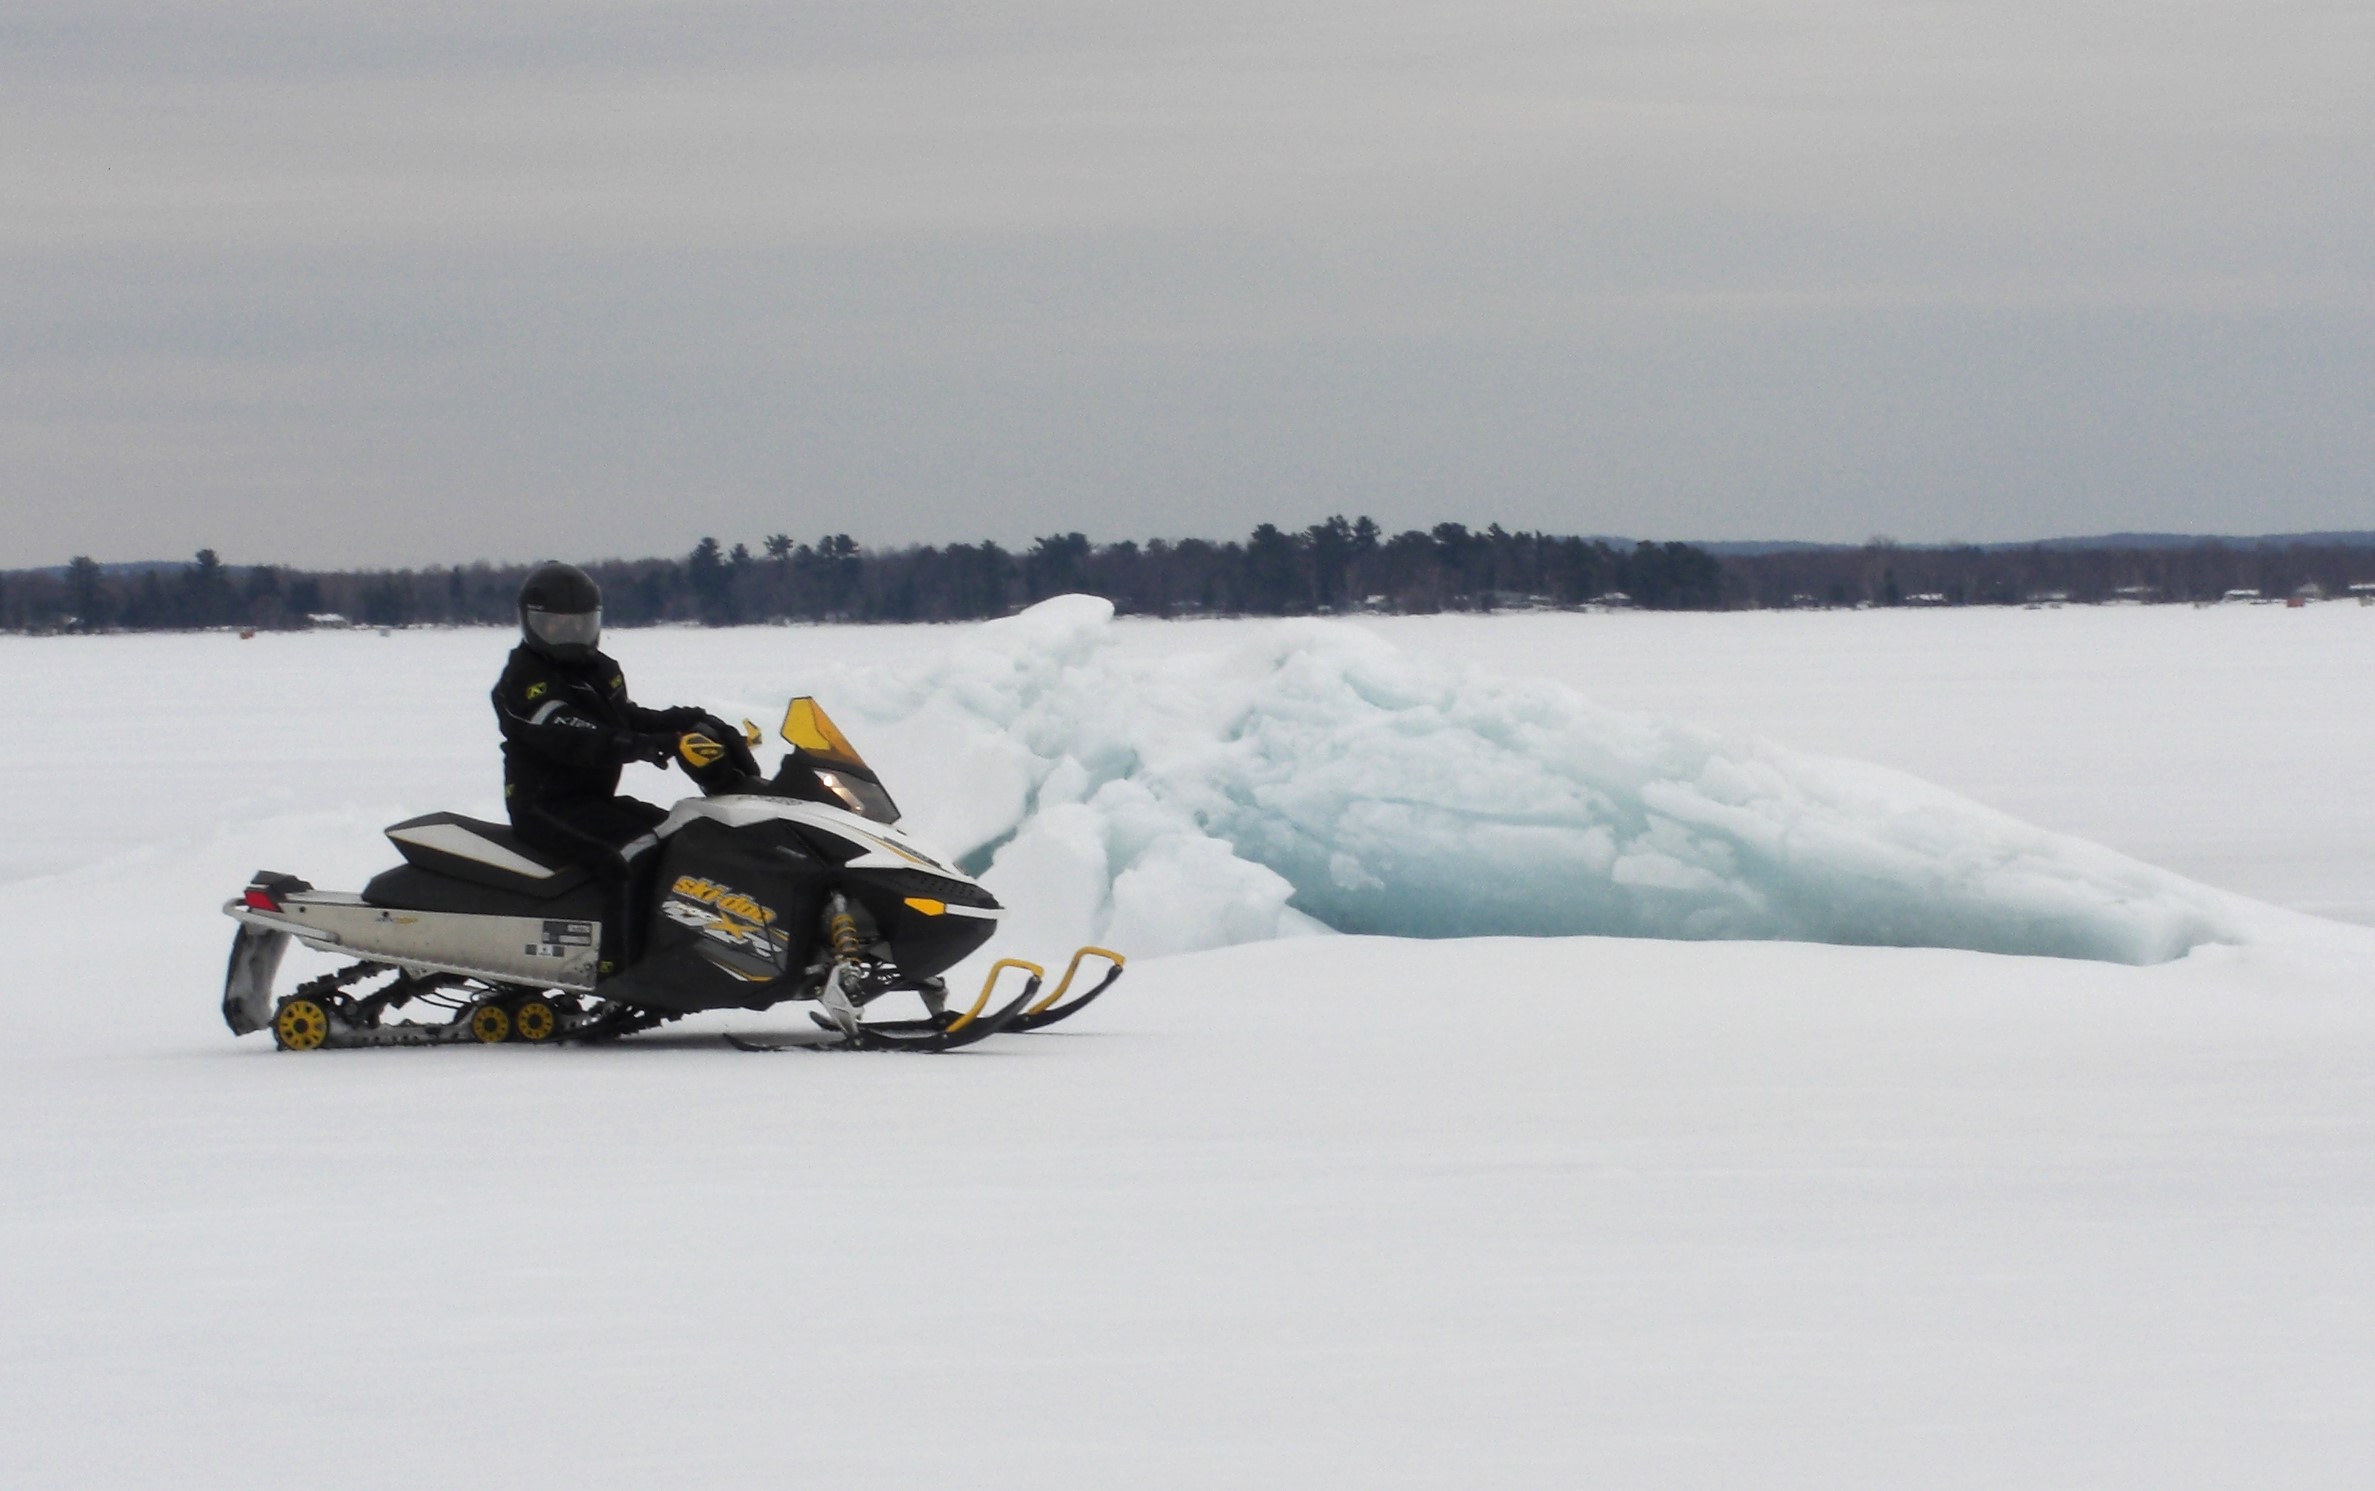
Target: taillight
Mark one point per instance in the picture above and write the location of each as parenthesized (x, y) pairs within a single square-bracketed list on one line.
[(269, 890)]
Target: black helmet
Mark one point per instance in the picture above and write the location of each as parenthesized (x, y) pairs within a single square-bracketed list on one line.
[(561, 612)]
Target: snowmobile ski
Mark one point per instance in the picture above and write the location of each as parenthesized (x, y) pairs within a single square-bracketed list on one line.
[(944, 1033), (1053, 1008)]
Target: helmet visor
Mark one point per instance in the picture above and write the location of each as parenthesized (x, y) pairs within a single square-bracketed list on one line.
[(566, 628)]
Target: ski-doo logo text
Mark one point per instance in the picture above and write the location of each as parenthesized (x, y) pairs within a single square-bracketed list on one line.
[(725, 898), (736, 930)]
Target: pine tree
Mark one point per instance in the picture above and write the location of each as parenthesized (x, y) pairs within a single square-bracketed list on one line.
[(85, 594), (712, 584)]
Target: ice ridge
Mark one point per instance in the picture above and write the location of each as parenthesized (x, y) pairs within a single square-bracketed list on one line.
[(1314, 777)]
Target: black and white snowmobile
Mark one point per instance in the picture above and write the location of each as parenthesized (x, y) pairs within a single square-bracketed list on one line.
[(762, 890)]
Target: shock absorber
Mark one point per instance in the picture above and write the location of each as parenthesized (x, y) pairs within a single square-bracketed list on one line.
[(842, 928), (834, 994)]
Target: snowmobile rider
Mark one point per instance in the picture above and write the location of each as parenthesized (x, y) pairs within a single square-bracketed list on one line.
[(568, 727)]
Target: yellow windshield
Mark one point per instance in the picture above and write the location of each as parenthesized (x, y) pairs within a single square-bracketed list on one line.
[(807, 726)]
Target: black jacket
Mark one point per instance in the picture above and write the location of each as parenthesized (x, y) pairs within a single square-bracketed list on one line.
[(569, 727)]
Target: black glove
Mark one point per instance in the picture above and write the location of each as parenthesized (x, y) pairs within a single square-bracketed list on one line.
[(658, 748), (683, 717)]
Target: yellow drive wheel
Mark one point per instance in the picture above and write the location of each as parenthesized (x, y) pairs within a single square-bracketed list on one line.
[(490, 1024), (534, 1020), (300, 1025)]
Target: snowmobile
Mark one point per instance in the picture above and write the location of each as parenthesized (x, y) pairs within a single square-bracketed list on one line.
[(763, 889)]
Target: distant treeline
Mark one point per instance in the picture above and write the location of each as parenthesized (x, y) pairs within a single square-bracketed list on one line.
[(1335, 566), (1332, 566), (1888, 574)]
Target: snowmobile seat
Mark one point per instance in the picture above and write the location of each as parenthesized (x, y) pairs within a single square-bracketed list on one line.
[(452, 847), (458, 864), (411, 888)]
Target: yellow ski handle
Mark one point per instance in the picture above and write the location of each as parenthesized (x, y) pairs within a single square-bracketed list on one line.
[(982, 1000), (1064, 984)]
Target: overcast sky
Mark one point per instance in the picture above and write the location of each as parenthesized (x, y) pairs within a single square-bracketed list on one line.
[(343, 284)]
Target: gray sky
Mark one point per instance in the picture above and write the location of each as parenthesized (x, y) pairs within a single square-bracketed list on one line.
[(336, 284)]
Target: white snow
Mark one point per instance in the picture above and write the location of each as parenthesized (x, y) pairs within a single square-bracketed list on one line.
[(1179, 802), (2228, 744), (1333, 1210)]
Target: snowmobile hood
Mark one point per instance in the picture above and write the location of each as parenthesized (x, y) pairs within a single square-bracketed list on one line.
[(880, 846)]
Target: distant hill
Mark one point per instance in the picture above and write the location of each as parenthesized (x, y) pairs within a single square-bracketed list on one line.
[(1327, 568), (1745, 548), (1752, 548), (134, 567), (2338, 539)]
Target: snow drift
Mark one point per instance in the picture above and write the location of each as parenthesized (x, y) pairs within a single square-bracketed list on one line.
[(1316, 778)]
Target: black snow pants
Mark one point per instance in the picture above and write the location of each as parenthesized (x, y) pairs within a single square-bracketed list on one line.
[(613, 838)]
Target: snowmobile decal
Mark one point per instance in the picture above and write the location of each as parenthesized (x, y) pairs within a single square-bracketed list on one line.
[(723, 928), (740, 934), (724, 898)]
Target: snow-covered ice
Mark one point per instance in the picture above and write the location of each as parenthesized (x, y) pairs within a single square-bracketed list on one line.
[(2224, 743), (1318, 773), (1361, 1210)]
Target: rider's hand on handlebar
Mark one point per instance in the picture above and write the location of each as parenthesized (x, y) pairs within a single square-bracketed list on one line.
[(658, 748)]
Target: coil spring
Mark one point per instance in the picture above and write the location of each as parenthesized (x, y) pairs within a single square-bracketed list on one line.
[(843, 929)]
